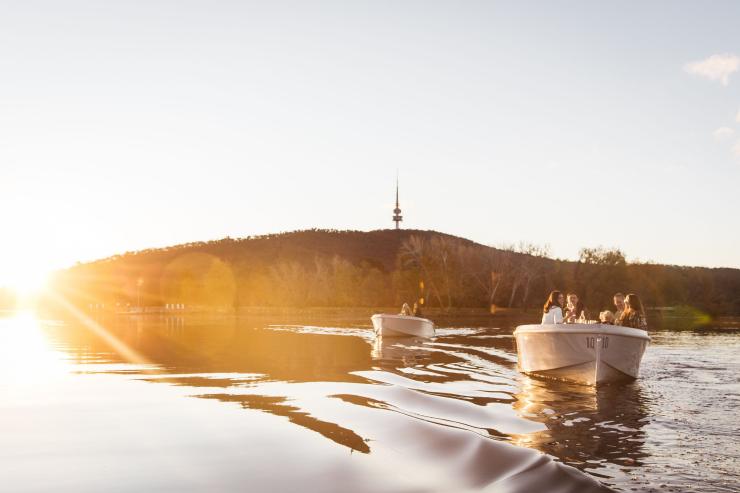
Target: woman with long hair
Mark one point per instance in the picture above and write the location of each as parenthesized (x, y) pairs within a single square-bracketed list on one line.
[(552, 312), (633, 314), (574, 309)]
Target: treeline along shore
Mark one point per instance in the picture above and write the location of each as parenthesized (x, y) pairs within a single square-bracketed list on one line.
[(326, 268)]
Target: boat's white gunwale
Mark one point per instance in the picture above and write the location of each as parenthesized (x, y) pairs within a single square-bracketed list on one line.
[(404, 317), (595, 329)]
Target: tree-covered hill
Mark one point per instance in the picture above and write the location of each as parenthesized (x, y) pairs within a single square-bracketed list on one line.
[(382, 268)]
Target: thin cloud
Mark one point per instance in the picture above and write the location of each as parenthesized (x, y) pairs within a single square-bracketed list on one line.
[(737, 117), (716, 67), (736, 149), (723, 133)]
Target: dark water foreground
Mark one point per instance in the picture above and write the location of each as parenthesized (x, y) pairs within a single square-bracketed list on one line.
[(256, 404)]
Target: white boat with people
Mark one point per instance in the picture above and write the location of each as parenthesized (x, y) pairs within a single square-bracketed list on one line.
[(408, 323), (387, 325), (590, 352)]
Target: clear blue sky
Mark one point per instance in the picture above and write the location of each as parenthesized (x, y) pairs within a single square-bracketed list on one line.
[(127, 125)]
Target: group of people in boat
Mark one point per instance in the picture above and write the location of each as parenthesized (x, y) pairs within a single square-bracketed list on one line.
[(407, 311), (560, 309)]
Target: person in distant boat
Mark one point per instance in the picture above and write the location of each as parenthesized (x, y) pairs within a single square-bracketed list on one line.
[(552, 312), (575, 310), (633, 314), (417, 310), (619, 305), (406, 310), (606, 317)]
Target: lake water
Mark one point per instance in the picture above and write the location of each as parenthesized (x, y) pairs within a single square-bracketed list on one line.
[(184, 404)]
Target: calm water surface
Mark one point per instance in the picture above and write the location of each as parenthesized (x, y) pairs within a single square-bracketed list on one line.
[(267, 404)]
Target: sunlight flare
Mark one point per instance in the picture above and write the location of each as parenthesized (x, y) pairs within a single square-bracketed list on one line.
[(124, 350), (25, 281)]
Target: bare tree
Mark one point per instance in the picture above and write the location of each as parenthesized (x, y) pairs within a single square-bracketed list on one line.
[(530, 266), (291, 279), (492, 268), (442, 250), (415, 254)]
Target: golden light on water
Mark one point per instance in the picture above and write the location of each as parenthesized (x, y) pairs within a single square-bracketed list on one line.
[(124, 350), (25, 352), (22, 340)]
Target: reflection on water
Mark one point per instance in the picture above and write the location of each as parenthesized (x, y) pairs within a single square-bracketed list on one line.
[(348, 411), (399, 352), (598, 430), (280, 407)]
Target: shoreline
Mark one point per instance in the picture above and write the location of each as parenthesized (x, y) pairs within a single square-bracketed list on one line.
[(661, 317)]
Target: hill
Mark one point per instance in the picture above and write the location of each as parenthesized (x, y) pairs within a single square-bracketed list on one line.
[(382, 268)]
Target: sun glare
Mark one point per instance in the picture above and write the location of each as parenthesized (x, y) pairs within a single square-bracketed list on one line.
[(25, 353), (26, 282)]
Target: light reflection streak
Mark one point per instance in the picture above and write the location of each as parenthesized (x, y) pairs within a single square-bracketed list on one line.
[(129, 354)]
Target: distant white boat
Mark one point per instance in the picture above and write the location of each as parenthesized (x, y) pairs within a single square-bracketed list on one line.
[(387, 325), (590, 354)]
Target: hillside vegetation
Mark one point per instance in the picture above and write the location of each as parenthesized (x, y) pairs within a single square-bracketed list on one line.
[(383, 268)]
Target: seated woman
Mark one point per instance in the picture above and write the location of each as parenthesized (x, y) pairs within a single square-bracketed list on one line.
[(406, 310), (417, 310), (552, 312), (633, 314), (575, 310)]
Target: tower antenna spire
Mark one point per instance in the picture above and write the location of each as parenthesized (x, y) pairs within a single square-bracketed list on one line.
[(397, 217)]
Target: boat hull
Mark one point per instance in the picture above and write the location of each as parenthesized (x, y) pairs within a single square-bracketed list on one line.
[(401, 326), (590, 354)]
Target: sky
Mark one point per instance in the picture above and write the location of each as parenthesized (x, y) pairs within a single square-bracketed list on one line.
[(130, 125)]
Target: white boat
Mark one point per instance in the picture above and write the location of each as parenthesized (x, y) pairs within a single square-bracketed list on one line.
[(590, 354), (387, 325)]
